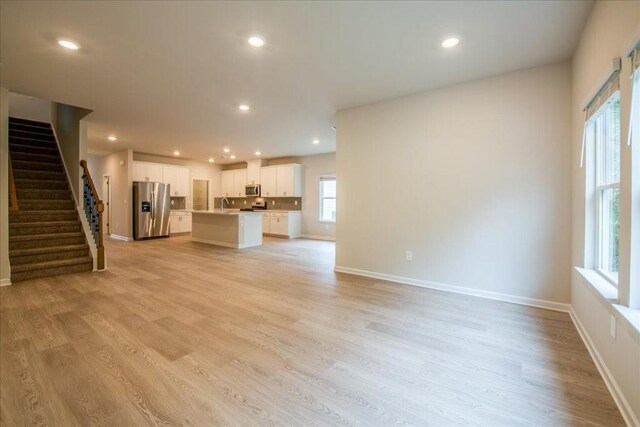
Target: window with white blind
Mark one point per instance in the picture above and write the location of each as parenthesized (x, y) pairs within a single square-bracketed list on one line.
[(604, 129), (328, 199)]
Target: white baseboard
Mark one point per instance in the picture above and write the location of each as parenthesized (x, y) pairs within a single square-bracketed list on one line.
[(5, 282), (312, 237), (549, 305), (224, 244), (123, 238), (624, 407)]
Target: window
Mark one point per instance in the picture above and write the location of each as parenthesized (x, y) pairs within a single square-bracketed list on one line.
[(605, 125), (328, 198)]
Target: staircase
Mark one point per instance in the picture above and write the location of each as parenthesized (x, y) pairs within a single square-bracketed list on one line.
[(45, 232)]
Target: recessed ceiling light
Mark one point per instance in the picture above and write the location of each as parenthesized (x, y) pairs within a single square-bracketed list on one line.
[(112, 138), (316, 141), (176, 153), (256, 41), (233, 156), (333, 127), (68, 44), (450, 42), (211, 160), (258, 153), (226, 150), (244, 107)]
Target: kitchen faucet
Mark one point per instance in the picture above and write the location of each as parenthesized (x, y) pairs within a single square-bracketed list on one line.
[(224, 199)]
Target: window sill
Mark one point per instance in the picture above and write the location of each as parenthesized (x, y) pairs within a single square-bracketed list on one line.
[(326, 222), (609, 294)]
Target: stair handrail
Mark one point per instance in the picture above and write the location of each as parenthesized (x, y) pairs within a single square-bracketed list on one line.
[(13, 198), (93, 208)]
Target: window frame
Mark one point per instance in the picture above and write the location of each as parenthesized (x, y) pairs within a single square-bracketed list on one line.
[(321, 198), (599, 123)]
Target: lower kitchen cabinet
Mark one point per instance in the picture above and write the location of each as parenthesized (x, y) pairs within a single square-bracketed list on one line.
[(180, 222), (282, 224)]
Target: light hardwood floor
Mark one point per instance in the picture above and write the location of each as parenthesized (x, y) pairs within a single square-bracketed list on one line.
[(182, 333)]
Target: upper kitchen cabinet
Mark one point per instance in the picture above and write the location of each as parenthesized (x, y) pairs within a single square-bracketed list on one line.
[(239, 182), (289, 181), (147, 172), (178, 178), (281, 181), (233, 182), (253, 172), (268, 181), (227, 183)]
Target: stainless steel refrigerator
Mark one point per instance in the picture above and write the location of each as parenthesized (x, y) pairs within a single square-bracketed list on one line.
[(151, 209)]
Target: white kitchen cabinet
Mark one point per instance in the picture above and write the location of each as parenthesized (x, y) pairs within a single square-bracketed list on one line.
[(178, 178), (281, 181), (147, 172), (227, 183), (282, 224), (180, 222), (233, 182), (239, 182), (268, 181), (253, 172)]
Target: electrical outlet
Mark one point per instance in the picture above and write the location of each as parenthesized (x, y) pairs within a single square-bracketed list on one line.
[(273, 202), (613, 327), (295, 202), (233, 202), (409, 255), (245, 202)]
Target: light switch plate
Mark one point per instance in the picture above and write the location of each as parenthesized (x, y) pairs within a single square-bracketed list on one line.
[(409, 255)]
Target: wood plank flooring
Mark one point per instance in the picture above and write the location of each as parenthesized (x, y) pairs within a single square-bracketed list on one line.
[(183, 333)]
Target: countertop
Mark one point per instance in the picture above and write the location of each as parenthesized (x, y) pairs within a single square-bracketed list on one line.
[(226, 212)]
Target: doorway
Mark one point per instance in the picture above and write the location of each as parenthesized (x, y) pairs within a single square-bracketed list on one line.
[(106, 199), (200, 194)]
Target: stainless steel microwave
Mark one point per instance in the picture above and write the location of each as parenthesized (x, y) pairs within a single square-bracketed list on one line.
[(252, 190)]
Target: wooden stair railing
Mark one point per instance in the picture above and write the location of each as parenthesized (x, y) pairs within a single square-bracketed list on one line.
[(13, 198), (93, 208)]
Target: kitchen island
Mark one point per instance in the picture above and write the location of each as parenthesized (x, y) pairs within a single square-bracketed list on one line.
[(229, 228)]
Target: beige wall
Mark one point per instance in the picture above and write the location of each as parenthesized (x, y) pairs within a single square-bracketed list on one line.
[(473, 179), (120, 180), (72, 137), (5, 270), (28, 107), (197, 170), (313, 167), (612, 29)]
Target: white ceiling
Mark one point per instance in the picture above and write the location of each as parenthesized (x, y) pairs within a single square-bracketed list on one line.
[(169, 75)]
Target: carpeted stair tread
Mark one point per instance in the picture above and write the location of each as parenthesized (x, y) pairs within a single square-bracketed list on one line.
[(51, 264), (47, 236), (19, 120), (33, 149), (40, 184), (38, 166), (35, 158), (43, 224), (36, 251), (53, 205), (34, 136), (34, 193), (22, 140), (35, 174), (42, 215), (48, 272)]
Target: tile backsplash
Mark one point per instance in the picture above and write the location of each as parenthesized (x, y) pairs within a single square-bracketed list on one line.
[(273, 203)]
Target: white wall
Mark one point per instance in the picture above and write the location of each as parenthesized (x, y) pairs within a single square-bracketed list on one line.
[(613, 27), (472, 178), (29, 107), (120, 181), (313, 167), (5, 269), (197, 170), (71, 132)]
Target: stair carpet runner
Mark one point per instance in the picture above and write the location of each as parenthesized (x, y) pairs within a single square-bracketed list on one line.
[(45, 233)]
